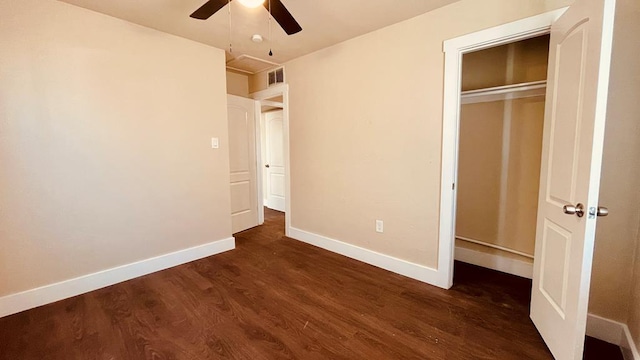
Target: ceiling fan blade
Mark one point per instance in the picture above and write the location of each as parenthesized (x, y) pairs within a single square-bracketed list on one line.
[(209, 8), (283, 16)]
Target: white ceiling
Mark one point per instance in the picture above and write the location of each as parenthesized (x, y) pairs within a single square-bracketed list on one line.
[(324, 22)]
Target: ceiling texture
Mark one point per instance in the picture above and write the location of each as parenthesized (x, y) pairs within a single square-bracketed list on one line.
[(324, 22)]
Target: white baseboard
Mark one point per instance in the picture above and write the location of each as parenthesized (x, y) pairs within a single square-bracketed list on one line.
[(605, 329), (495, 262), (29, 299), (613, 332), (629, 348), (398, 266)]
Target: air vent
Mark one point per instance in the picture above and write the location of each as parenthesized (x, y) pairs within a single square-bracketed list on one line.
[(275, 77)]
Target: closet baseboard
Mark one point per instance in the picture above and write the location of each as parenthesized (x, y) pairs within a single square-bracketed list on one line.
[(613, 332), (496, 262)]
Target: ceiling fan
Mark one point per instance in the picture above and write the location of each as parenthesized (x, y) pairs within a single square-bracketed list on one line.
[(277, 10)]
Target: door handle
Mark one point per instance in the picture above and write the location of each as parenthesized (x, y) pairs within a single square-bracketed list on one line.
[(577, 210), (600, 211), (266, 165)]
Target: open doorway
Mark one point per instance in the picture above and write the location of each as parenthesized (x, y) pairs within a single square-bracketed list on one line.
[(273, 151), (271, 134), (500, 145)]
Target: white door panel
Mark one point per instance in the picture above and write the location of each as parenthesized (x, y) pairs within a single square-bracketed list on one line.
[(580, 51), (275, 160), (242, 163)]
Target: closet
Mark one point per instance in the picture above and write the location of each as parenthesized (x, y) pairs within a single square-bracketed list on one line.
[(500, 145)]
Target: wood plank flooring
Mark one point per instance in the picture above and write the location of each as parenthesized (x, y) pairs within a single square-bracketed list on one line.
[(277, 298)]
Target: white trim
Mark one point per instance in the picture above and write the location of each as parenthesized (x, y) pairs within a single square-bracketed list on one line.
[(454, 49), (503, 34), (390, 263), (259, 165), (613, 332), (628, 346), (29, 299), (484, 243), (496, 262), (605, 329), (282, 89)]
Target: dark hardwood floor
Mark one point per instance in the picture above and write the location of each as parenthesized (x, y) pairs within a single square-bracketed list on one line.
[(277, 298)]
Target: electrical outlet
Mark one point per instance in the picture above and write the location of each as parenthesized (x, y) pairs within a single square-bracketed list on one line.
[(379, 226)]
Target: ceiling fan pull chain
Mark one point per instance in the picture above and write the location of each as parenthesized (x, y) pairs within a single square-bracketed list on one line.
[(270, 52), (230, 38)]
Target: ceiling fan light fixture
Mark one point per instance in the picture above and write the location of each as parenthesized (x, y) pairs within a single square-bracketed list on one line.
[(251, 3)]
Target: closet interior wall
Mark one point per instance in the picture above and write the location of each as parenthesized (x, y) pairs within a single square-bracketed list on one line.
[(500, 146)]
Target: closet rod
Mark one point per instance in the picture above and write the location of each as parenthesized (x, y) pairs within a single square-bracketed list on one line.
[(506, 92)]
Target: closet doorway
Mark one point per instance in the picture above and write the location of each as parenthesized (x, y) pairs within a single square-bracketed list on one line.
[(502, 106), (571, 161)]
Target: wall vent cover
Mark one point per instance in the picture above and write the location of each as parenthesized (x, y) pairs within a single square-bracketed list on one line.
[(275, 77)]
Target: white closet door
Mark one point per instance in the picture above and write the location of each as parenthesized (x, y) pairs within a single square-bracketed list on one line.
[(274, 160), (242, 162), (580, 52)]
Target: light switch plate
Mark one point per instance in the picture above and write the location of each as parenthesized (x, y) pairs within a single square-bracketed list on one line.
[(215, 143), (379, 226)]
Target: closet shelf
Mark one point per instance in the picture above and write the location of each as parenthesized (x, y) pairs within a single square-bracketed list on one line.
[(506, 92)]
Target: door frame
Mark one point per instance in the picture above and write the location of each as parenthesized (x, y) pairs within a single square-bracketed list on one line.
[(262, 97), (454, 49)]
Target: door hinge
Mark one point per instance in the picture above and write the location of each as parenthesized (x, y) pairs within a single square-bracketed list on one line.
[(453, 186)]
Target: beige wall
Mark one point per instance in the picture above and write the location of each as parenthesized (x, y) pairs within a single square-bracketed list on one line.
[(237, 84), (369, 112), (258, 82), (479, 171), (480, 168), (105, 131), (531, 60), (616, 234), (513, 63)]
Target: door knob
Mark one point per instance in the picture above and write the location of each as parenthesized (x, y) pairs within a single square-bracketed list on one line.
[(601, 211), (577, 210), (266, 165)]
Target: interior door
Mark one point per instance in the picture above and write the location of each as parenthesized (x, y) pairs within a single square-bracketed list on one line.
[(274, 160), (242, 163), (580, 52)]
